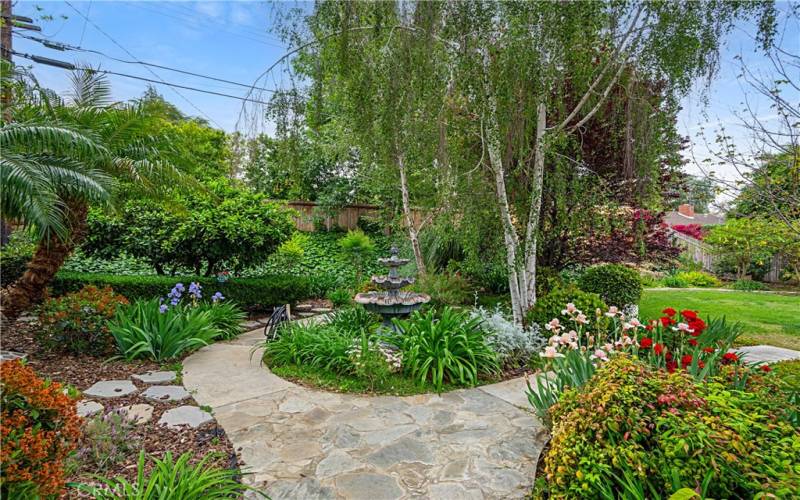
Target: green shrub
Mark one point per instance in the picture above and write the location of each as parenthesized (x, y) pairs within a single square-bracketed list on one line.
[(746, 285), (699, 279), (340, 297), (315, 345), (357, 247), (444, 289), (249, 293), (547, 280), (171, 479), (13, 267), (120, 264), (673, 281), (77, 322), (447, 348), (323, 263), (616, 284), (551, 305), (631, 427), (145, 330)]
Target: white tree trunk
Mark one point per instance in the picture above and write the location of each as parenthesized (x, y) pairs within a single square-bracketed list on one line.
[(510, 237), (537, 179), (413, 234)]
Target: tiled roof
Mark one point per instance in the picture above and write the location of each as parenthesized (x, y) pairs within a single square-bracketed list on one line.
[(673, 217)]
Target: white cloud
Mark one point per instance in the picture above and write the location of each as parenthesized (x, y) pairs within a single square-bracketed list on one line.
[(210, 8)]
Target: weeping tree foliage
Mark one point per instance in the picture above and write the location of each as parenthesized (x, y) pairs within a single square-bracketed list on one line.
[(459, 99), (62, 155)]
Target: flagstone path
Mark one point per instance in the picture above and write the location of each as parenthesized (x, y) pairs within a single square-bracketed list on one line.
[(302, 443)]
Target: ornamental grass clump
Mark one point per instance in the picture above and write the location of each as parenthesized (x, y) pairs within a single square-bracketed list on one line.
[(172, 479), (40, 428), (632, 427)]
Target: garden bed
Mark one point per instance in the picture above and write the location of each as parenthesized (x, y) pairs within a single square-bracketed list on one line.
[(81, 372)]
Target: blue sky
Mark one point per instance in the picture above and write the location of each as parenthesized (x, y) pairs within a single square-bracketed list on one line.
[(231, 40)]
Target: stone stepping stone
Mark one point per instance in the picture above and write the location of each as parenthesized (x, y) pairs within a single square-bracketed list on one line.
[(153, 377), (321, 310), (252, 325), (28, 319), (166, 393), (185, 415), (88, 408), (11, 355), (303, 307), (111, 389), (766, 353), (138, 414), (305, 314)]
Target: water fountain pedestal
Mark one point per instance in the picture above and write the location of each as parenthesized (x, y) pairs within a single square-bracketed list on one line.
[(392, 302)]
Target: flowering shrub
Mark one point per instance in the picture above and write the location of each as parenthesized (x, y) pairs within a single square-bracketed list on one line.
[(76, 322), (635, 427), (107, 440), (514, 344), (692, 230), (40, 428)]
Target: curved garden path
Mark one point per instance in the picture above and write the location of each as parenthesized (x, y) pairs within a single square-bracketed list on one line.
[(302, 443)]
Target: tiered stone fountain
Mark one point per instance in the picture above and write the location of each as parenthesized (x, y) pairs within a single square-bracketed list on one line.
[(392, 302)]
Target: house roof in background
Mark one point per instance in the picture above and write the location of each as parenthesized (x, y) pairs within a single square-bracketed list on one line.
[(673, 217)]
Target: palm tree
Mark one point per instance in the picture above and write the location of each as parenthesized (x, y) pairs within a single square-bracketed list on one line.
[(62, 156)]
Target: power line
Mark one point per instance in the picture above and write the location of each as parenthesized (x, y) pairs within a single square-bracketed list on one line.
[(63, 46), (70, 66), (179, 17), (98, 28)]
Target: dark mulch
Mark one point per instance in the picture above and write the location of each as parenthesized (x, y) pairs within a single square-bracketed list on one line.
[(83, 371)]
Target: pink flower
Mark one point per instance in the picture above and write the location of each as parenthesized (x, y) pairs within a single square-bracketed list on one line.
[(551, 352), (612, 311), (683, 327), (600, 354), (554, 339), (571, 309), (581, 318), (553, 325)]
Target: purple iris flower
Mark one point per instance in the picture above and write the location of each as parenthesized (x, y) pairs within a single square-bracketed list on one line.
[(217, 297), (163, 308)]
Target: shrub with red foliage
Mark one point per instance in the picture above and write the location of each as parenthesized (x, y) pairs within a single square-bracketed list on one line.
[(643, 237), (40, 429), (693, 230)]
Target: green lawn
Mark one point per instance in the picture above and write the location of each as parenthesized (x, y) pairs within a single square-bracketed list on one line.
[(768, 318)]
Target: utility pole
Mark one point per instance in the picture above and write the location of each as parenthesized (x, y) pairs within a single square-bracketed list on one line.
[(5, 52)]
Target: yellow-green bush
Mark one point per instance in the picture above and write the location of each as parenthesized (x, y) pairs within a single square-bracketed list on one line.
[(699, 279), (634, 426)]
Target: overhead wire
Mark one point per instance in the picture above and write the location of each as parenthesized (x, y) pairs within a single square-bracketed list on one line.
[(64, 46), (98, 28), (70, 66)]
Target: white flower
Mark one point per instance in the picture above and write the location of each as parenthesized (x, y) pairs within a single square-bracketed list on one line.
[(634, 322), (551, 352), (684, 328), (554, 339)]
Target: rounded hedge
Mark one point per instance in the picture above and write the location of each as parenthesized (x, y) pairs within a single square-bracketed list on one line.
[(616, 284), (551, 305)]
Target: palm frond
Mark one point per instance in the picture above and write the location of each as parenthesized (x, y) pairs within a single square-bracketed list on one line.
[(90, 89), (29, 197), (56, 139)]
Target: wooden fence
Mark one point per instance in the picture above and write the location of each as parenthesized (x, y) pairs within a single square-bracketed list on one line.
[(696, 249), (345, 218)]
